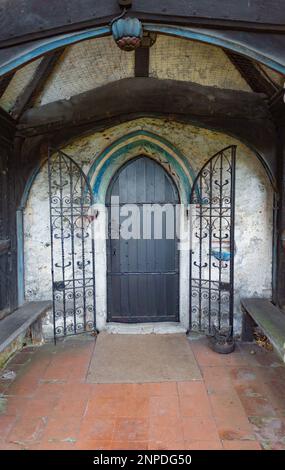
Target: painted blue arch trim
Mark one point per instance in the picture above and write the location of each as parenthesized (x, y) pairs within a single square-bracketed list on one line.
[(209, 38), (116, 157), (171, 30), (30, 182), (52, 44)]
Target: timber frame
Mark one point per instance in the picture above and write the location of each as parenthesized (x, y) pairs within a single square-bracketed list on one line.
[(246, 33)]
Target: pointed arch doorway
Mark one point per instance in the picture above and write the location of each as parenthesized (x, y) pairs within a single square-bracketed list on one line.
[(142, 248)]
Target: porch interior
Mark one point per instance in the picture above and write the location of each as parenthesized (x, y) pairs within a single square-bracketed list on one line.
[(200, 85)]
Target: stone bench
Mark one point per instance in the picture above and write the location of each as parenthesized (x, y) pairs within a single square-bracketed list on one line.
[(269, 318), (26, 320)]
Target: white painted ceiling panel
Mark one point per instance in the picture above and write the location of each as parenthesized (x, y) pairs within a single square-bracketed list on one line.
[(85, 66), (181, 59)]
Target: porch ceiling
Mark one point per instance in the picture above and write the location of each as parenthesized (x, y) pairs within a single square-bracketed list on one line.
[(90, 64)]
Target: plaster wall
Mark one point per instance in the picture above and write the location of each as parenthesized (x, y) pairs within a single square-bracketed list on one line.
[(253, 229)]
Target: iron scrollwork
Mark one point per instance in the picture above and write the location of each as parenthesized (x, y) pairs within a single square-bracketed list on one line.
[(212, 251), (72, 246)]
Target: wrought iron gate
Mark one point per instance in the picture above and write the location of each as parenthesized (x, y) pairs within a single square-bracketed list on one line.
[(212, 244), (72, 246)]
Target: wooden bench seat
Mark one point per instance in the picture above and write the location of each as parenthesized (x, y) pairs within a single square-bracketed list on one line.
[(269, 318), (18, 324)]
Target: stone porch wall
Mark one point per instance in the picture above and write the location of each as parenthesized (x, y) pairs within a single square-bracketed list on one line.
[(254, 210)]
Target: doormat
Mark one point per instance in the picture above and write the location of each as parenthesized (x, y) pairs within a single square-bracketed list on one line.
[(142, 358)]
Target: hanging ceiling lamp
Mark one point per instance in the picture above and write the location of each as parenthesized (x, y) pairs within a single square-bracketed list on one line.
[(127, 32)]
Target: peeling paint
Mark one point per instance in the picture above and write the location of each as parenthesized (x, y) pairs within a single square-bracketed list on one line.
[(254, 210)]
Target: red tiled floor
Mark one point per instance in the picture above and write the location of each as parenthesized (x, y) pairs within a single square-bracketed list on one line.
[(98, 428), (128, 429), (241, 445), (94, 444), (194, 400), (199, 429), (238, 404), (235, 429), (125, 445), (6, 424), (164, 406), (62, 429), (27, 429), (204, 445), (165, 429)]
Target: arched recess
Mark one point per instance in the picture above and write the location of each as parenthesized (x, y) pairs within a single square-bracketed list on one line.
[(100, 175), (32, 51), (144, 143)]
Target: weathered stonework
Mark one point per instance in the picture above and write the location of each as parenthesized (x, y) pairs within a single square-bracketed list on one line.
[(254, 208)]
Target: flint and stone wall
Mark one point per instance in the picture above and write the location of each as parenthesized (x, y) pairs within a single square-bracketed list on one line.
[(254, 210)]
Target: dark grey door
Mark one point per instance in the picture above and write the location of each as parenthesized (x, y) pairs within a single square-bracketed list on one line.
[(143, 277)]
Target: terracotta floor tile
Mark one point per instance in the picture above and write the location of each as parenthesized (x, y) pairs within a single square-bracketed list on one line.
[(92, 445), (241, 445), (17, 405), (75, 406), (235, 429), (128, 430), (192, 388), (167, 445), (46, 445), (58, 370), (243, 375), (96, 428), (257, 406), (6, 424), (227, 406), (193, 399), (48, 389), (165, 429), (199, 429), (40, 407), (24, 387), (62, 429), (27, 429), (129, 445), (164, 406), (205, 356), (113, 390), (217, 379), (156, 389), (106, 407), (137, 407), (203, 445), (9, 446)]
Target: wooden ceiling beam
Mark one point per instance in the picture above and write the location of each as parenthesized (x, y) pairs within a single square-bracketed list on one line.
[(251, 74), (4, 83), (30, 93)]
